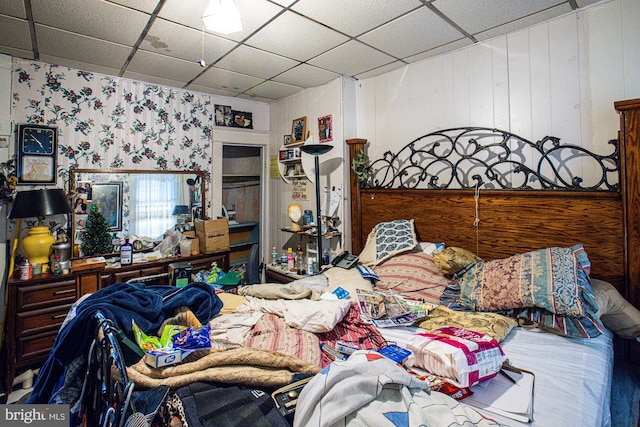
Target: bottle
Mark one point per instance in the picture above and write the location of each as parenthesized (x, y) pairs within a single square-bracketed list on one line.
[(126, 253), (274, 257), (325, 257), (283, 260), (56, 268), (300, 265), (309, 265), (291, 261)]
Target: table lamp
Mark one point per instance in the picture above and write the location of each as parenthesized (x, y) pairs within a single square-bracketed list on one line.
[(181, 212), (317, 150), (31, 204)]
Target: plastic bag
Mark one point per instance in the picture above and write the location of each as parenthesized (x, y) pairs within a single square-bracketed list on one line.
[(169, 244)]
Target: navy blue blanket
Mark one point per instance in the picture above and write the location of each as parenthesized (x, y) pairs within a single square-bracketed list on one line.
[(148, 306)]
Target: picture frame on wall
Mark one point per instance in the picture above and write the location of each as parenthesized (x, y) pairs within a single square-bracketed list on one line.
[(325, 129), (287, 140), (242, 119), (108, 197), (298, 129), (223, 115)]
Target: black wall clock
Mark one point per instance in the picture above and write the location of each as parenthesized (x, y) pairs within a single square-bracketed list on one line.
[(37, 148)]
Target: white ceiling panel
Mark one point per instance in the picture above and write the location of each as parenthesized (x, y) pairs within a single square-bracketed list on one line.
[(64, 44), (162, 66), (305, 75), (273, 90), (339, 14), (168, 38), (147, 6), (411, 34), (295, 37), (15, 33), (474, 16), (98, 19), (227, 80), (244, 60), (351, 58), (13, 8), (285, 46)]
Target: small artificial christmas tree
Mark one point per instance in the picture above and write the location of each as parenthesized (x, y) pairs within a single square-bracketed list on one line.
[(97, 235)]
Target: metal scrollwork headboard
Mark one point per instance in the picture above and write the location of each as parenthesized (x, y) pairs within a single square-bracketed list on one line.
[(470, 157)]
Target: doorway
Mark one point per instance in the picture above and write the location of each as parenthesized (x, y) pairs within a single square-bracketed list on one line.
[(243, 187)]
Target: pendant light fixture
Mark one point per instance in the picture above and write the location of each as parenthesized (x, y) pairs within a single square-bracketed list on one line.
[(222, 16)]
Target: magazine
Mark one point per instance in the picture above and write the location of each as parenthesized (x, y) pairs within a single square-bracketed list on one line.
[(379, 305)]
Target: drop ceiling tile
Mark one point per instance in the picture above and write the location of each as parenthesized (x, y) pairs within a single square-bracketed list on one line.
[(93, 18), (273, 90), (227, 80), (13, 8), (146, 6), (68, 45), (474, 16), (351, 58), (210, 90), (296, 37), (18, 53), (14, 33), (162, 66), (583, 3), (255, 98), (79, 65), (284, 3), (253, 13), (527, 21), (170, 39), (380, 70), (449, 47), (244, 60), (305, 75), (356, 16), (413, 33), (152, 79)]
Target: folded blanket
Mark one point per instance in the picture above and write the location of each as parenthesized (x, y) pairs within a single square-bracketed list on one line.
[(279, 291), (234, 365)]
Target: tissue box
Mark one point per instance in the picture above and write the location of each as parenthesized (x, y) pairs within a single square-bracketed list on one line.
[(162, 357)]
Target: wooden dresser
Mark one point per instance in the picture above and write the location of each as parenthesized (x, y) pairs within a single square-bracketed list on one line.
[(37, 307)]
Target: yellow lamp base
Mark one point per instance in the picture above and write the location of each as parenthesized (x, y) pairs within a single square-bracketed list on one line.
[(37, 246)]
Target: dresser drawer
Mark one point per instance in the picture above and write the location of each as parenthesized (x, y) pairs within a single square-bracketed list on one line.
[(36, 346), (40, 321), (47, 295)]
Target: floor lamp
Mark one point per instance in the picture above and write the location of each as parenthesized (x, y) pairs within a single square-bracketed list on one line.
[(317, 150)]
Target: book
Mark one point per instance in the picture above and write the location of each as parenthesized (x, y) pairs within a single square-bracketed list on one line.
[(379, 305), (501, 395)]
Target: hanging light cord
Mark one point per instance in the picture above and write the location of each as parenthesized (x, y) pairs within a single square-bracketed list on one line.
[(476, 222)]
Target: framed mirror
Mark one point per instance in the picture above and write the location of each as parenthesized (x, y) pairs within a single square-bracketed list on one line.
[(144, 204)]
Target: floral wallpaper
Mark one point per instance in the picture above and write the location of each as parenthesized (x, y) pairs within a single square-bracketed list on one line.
[(107, 122)]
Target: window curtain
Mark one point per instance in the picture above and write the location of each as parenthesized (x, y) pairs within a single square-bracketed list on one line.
[(155, 196)]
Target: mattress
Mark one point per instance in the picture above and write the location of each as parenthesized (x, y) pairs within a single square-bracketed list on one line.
[(572, 375)]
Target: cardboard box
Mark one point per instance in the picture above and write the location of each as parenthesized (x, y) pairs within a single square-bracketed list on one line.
[(213, 235), (195, 245), (162, 357), (180, 274)]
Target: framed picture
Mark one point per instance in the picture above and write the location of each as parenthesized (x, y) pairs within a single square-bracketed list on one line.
[(298, 130), (37, 148), (287, 139), (242, 119), (108, 197), (223, 115), (325, 129)]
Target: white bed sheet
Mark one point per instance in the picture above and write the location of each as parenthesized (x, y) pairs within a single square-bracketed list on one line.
[(572, 376)]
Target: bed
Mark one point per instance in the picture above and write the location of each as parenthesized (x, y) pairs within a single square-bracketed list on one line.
[(270, 335)]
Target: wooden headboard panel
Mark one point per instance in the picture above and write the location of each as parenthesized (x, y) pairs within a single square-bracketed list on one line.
[(513, 222)]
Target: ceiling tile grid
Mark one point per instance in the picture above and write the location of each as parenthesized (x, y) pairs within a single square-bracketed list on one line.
[(285, 46)]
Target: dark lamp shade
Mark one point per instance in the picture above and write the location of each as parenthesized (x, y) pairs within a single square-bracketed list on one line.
[(180, 210), (39, 203), (316, 149)]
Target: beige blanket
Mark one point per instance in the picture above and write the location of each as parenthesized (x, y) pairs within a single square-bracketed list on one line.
[(239, 365)]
